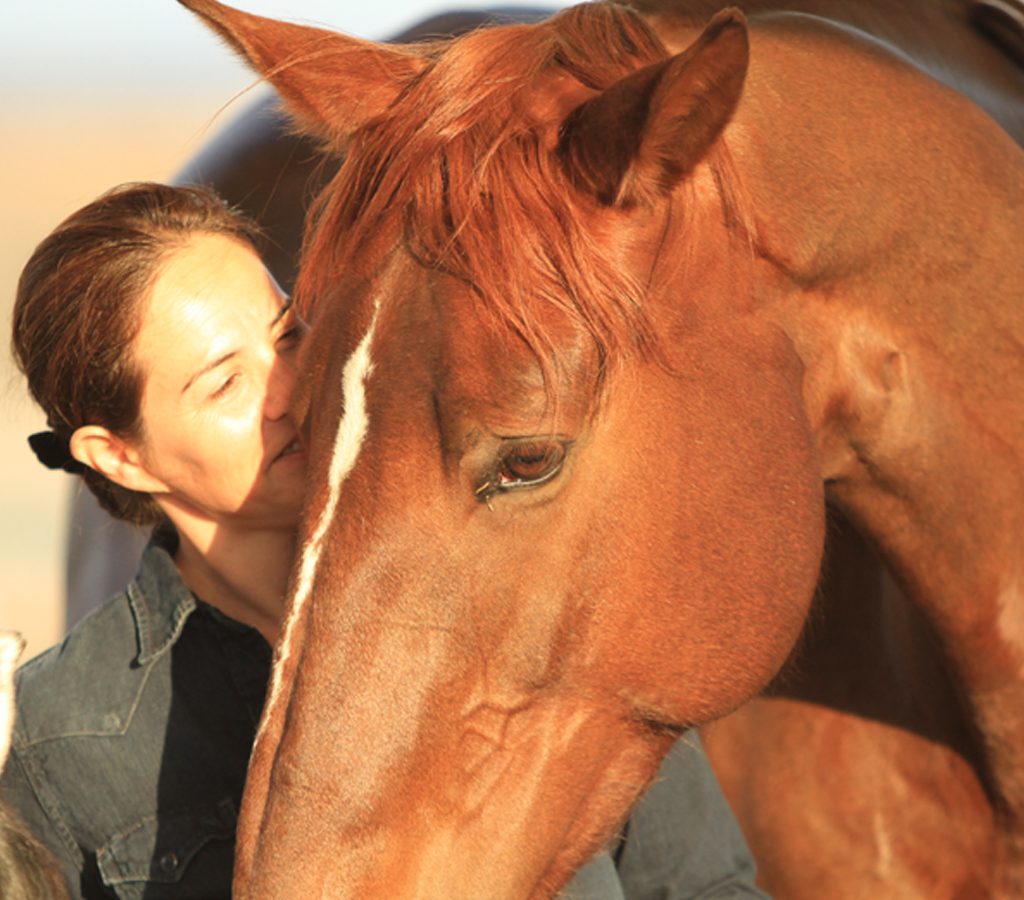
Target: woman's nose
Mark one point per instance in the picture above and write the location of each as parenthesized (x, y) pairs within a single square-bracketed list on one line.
[(280, 385)]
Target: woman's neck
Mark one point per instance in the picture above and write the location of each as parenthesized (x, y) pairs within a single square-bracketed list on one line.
[(244, 573)]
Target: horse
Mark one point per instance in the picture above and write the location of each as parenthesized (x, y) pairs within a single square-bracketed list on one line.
[(625, 321)]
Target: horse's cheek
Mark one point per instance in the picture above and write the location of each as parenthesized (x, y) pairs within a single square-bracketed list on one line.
[(713, 528)]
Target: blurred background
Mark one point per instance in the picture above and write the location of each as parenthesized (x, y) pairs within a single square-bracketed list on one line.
[(97, 92)]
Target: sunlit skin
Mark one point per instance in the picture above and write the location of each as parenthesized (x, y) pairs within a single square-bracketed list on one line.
[(218, 452)]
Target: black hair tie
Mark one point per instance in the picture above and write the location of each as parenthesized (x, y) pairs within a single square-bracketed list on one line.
[(54, 452)]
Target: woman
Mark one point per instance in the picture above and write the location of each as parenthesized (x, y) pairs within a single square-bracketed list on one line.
[(133, 736), (163, 354)]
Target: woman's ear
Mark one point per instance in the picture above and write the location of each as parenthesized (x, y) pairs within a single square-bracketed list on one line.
[(114, 458)]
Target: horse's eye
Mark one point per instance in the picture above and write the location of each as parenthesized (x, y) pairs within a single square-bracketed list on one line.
[(528, 463), (524, 463)]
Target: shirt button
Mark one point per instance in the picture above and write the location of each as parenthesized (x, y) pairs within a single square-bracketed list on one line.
[(169, 862)]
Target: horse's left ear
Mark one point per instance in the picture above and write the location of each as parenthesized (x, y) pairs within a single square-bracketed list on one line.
[(332, 83), (634, 142)]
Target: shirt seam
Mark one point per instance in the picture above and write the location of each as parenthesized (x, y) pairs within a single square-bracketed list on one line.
[(20, 740), (31, 770)]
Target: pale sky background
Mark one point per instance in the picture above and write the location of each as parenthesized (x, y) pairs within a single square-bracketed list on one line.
[(97, 92), (76, 47)]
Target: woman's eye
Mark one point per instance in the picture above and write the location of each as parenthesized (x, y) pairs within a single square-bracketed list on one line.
[(290, 338), (225, 386), (528, 464), (295, 332)]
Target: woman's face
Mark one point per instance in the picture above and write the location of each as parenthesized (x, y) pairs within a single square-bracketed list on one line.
[(217, 346)]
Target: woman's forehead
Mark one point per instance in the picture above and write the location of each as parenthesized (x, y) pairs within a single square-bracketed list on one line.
[(212, 274), (209, 295)]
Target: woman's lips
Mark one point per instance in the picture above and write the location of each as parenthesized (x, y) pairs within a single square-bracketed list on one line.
[(294, 450)]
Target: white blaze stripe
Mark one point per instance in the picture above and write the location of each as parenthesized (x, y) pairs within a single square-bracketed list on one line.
[(347, 443)]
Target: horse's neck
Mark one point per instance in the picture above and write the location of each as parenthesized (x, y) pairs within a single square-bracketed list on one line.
[(889, 231), (888, 211), (936, 34)]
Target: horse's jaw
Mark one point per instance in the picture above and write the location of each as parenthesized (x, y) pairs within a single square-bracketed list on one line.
[(482, 789)]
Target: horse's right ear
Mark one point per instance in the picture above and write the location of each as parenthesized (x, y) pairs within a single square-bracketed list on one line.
[(331, 82), (635, 141)]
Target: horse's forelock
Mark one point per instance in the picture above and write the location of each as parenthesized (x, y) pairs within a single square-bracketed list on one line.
[(457, 165)]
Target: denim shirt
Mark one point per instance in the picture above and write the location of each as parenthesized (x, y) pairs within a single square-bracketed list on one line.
[(132, 739)]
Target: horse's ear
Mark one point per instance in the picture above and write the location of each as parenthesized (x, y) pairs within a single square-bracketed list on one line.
[(331, 82), (635, 141)]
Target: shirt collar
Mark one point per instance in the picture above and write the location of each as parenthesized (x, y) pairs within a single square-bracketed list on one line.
[(159, 601)]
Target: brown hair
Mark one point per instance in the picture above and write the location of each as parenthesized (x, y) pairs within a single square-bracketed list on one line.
[(78, 311), (28, 870)]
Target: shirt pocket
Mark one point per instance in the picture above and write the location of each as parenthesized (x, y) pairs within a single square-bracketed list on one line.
[(184, 854)]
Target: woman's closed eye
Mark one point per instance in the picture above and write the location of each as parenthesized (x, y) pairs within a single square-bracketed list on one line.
[(291, 336), (294, 331), (225, 387)]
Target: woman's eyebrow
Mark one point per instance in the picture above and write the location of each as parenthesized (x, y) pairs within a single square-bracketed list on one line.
[(209, 367), (220, 360)]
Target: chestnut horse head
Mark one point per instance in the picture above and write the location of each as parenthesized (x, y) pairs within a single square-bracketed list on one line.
[(566, 502)]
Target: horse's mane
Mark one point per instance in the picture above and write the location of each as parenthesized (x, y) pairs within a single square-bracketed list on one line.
[(459, 164)]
